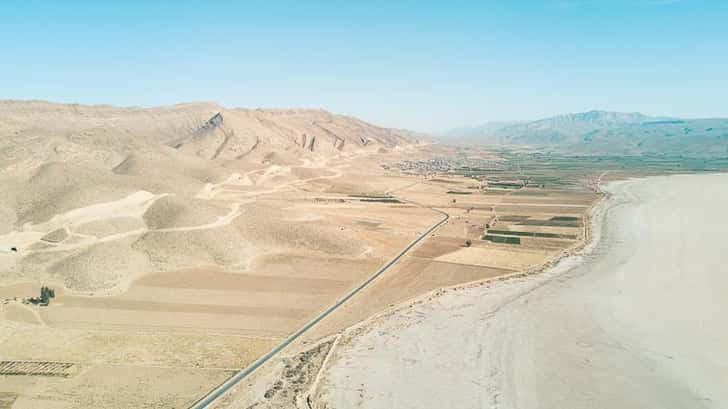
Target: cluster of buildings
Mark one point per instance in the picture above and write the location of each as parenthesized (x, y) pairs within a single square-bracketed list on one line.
[(458, 165)]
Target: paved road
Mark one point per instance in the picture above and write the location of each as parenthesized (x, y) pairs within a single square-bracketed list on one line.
[(208, 400)]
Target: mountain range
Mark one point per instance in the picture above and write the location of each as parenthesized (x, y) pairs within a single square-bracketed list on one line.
[(606, 132)]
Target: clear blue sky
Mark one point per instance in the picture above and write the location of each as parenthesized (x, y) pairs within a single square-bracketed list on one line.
[(416, 64)]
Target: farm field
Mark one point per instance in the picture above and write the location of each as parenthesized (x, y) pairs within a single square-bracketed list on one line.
[(446, 259)]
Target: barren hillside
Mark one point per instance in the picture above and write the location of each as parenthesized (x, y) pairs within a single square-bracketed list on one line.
[(95, 195), (35, 132)]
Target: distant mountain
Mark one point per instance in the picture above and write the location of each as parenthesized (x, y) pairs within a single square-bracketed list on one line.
[(466, 132), (605, 132)]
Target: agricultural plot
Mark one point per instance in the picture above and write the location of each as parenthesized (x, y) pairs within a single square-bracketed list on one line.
[(532, 234), (502, 239), (36, 368)]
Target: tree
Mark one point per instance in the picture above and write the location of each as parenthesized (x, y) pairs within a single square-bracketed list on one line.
[(46, 294), (468, 243)]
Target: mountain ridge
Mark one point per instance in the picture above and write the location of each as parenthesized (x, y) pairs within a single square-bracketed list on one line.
[(607, 132), (206, 130)]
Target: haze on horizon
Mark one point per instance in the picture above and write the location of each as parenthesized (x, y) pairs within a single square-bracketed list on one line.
[(420, 66)]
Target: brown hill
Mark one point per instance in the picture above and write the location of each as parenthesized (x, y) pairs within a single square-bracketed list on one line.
[(47, 131), (95, 195)]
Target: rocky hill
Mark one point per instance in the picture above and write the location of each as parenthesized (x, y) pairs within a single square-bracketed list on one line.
[(93, 196), (54, 157), (36, 132), (604, 132)]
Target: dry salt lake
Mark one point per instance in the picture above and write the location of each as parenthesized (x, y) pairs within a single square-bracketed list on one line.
[(638, 319)]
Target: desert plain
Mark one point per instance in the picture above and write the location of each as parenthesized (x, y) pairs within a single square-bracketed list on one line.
[(184, 242)]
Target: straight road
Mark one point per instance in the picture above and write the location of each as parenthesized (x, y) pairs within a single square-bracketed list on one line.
[(208, 400)]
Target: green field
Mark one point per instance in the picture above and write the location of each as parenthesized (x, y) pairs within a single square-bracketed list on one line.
[(502, 239), (533, 234)]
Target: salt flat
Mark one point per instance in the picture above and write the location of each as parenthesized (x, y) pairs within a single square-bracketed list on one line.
[(633, 321)]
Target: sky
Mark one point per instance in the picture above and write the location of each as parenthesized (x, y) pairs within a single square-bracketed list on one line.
[(421, 65)]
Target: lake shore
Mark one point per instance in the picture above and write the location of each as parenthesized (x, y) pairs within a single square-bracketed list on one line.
[(631, 320)]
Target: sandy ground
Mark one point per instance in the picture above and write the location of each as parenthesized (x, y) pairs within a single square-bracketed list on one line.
[(633, 321)]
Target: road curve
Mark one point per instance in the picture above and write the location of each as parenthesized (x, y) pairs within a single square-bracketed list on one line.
[(208, 400)]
